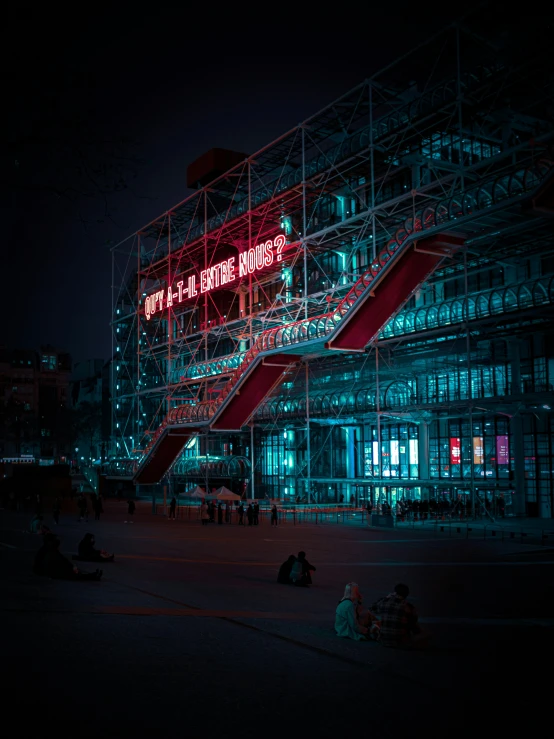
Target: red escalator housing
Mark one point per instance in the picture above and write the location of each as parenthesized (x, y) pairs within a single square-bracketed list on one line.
[(412, 267), (258, 382), (162, 456)]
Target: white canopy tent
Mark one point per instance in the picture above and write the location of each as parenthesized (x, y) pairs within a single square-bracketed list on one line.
[(224, 493), (196, 492)]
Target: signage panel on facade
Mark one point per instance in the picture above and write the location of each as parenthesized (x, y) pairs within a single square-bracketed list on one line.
[(502, 450), (478, 453), (375, 453), (455, 450), (414, 452)]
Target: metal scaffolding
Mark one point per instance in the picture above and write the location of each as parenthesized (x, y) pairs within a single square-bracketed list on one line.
[(271, 262)]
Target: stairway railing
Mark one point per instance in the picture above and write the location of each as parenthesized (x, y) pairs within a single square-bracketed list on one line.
[(476, 199)]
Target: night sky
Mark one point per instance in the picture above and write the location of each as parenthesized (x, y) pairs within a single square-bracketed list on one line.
[(107, 110)]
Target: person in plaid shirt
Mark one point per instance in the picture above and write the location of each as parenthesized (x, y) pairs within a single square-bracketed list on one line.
[(397, 619)]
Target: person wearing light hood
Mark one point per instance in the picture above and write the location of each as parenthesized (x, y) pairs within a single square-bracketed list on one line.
[(350, 621)]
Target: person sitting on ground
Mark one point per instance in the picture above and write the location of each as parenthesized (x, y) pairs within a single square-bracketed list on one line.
[(284, 571), (300, 572), (37, 526), (88, 553), (351, 621), (49, 562), (398, 620)]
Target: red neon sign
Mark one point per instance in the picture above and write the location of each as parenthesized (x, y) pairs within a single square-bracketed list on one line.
[(222, 273)]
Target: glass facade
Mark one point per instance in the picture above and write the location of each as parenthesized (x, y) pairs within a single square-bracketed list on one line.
[(460, 450)]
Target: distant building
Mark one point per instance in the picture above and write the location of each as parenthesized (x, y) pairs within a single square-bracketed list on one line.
[(86, 382), (89, 398), (18, 377), (33, 397)]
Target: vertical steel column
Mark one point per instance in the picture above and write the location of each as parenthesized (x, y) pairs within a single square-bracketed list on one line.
[(251, 297), (137, 316), (372, 175), (516, 430), (459, 105), (250, 319), (469, 391), (378, 409), (169, 345), (252, 483), (308, 440), (305, 297), (169, 319), (205, 294), (304, 221), (350, 437), (112, 383), (423, 451)]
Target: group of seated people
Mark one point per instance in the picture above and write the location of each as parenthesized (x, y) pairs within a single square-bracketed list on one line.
[(50, 562), (296, 571), (391, 620)]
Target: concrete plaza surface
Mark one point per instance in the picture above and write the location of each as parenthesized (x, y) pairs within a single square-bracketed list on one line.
[(188, 633)]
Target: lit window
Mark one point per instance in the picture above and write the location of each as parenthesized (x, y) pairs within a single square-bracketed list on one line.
[(48, 361)]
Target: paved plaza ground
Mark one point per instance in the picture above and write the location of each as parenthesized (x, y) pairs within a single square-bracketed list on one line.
[(188, 633)]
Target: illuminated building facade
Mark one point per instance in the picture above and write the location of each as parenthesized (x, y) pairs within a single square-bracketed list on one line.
[(361, 309)]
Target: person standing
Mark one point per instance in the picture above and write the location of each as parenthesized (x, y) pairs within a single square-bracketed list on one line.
[(98, 509), (204, 513), (172, 507), (240, 511), (274, 515), (130, 511), (369, 509), (256, 511), (250, 514), (82, 506), (219, 513), (227, 512), (56, 508)]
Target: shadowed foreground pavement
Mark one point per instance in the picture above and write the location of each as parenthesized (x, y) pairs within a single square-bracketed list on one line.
[(189, 634)]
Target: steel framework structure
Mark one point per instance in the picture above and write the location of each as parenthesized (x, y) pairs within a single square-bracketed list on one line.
[(415, 239)]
